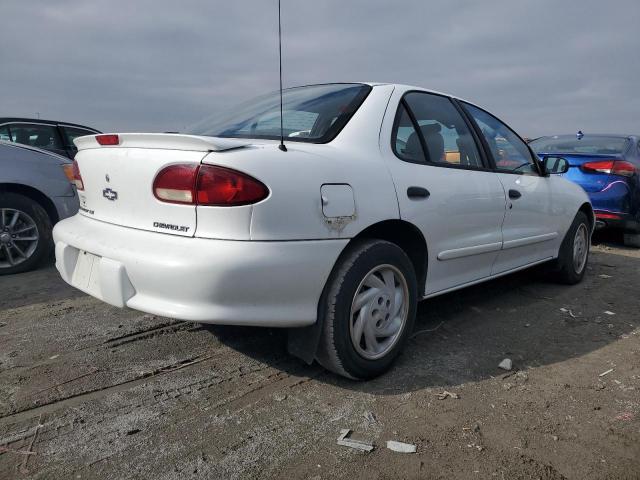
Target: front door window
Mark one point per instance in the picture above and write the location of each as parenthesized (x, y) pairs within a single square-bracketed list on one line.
[(510, 153)]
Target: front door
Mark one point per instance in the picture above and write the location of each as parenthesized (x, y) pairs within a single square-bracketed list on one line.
[(532, 223), (444, 187)]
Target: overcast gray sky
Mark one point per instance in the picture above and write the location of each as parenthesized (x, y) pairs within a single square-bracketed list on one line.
[(544, 66)]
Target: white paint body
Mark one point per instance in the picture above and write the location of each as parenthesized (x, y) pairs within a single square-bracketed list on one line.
[(267, 264)]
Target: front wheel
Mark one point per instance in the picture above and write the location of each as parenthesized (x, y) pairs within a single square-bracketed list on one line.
[(573, 256), (368, 309)]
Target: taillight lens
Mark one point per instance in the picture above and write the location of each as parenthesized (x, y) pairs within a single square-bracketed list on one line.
[(176, 184), (108, 139), (67, 168), (616, 167), (601, 166), (625, 169), (207, 185), (607, 216), (225, 187), (77, 178)]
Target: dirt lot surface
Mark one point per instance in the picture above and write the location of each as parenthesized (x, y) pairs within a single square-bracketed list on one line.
[(98, 392)]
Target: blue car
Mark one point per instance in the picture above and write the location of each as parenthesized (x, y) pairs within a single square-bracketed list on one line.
[(608, 168)]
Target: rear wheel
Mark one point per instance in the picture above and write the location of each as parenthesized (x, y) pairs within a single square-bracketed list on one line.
[(25, 233), (573, 257), (368, 310)]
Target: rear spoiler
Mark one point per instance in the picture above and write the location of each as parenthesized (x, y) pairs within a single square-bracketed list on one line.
[(168, 141)]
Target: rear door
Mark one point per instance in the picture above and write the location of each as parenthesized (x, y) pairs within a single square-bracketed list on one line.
[(533, 218), (444, 187)]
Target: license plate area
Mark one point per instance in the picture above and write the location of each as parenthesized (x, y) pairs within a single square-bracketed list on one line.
[(86, 275)]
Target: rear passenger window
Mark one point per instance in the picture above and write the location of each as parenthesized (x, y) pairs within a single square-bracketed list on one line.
[(5, 136), (429, 129), (70, 133), (36, 135)]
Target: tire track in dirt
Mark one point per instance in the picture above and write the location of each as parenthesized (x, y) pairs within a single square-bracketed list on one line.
[(173, 326), (58, 369), (73, 400), (275, 381)]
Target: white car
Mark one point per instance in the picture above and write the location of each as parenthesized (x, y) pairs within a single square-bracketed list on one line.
[(382, 196)]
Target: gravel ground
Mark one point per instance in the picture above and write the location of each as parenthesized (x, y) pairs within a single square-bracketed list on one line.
[(98, 392)]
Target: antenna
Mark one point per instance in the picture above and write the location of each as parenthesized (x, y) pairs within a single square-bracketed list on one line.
[(281, 146)]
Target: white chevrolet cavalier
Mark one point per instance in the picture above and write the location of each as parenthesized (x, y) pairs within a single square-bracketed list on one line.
[(384, 195)]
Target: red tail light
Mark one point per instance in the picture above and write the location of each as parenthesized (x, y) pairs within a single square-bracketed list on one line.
[(616, 167), (225, 187), (601, 166), (207, 185), (77, 178), (626, 169), (108, 139), (607, 216), (176, 184)]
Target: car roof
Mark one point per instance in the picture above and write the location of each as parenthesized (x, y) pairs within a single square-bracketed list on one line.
[(4, 120), (400, 86), (379, 84), (412, 87)]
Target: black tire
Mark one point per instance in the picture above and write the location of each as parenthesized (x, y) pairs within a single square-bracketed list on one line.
[(336, 352), (564, 269), (42, 222), (632, 239)]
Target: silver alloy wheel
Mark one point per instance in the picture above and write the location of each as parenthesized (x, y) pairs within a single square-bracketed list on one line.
[(580, 248), (18, 237), (379, 311)]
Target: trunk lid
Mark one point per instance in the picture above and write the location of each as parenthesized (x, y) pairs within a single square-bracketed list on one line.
[(118, 180)]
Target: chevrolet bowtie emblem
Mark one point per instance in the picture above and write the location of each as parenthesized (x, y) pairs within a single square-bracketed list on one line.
[(110, 194)]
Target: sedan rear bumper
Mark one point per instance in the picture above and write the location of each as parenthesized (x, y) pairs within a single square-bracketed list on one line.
[(618, 220), (275, 284)]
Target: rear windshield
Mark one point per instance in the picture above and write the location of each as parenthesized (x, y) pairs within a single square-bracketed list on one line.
[(313, 114), (587, 144)]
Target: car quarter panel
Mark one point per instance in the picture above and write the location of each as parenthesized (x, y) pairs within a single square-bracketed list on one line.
[(568, 199), (294, 208), (41, 171), (37, 169)]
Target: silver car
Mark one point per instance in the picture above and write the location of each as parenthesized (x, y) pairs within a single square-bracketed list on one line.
[(35, 192)]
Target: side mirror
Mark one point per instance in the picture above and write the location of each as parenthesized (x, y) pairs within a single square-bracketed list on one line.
[(555, 165)]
